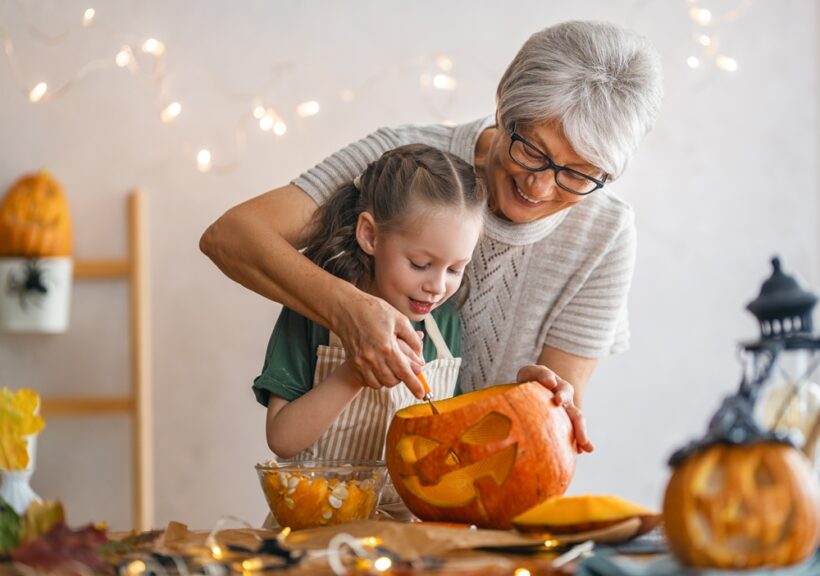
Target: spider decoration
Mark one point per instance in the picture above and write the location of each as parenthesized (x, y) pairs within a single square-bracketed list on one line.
[(28, 284)]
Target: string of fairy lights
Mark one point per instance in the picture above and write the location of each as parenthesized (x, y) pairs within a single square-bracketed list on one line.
[(706, 37), (344, 555), (148, 56), (141, 56)]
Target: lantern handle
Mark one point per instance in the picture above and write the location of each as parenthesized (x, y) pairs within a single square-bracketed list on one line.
[(751, 389)]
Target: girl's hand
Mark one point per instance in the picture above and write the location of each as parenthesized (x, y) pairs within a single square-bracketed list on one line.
[(563, 395), (380, 343)]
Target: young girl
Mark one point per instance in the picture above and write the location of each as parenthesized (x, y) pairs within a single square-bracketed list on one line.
[(404, 231)]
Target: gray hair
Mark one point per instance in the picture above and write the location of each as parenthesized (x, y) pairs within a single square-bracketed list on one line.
[(601, 83)]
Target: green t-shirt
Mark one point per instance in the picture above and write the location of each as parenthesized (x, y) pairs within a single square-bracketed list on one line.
[(290, 360)]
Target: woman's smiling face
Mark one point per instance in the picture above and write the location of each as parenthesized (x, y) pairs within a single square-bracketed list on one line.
[(520, 195)]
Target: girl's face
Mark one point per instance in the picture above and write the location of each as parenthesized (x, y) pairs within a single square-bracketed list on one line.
[(420, 265), (519, 195)]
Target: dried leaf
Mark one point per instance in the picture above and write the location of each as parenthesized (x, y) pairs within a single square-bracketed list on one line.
[(64, 546), (40, 518)]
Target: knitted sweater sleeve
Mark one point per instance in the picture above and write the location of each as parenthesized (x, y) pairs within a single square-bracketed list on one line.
[(594, 321), (342, 167)]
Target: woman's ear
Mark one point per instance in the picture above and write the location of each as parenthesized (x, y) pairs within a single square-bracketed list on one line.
[(366, 233)]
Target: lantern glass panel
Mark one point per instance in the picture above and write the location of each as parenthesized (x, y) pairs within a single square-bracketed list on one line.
[(789, 399)]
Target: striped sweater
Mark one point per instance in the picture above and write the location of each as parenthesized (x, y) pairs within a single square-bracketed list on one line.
[(561, 281)]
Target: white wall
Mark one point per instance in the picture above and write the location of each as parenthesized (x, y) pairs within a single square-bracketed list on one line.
[(727, 179)]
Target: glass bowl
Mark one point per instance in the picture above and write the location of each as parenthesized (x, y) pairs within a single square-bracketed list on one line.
[(315, 493)]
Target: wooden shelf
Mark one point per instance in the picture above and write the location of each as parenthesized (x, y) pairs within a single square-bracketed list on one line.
[(86, 405), (101, 269), (137, 404)]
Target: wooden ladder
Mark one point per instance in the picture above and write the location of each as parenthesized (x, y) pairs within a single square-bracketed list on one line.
[(137, 404)]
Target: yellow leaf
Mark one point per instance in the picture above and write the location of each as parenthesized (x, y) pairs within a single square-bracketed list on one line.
[(18, 419), (27, 402)]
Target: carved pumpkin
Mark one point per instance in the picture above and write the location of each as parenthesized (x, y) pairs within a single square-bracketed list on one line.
[(574, 514), (487, 457), (743, 506), (34, 218)]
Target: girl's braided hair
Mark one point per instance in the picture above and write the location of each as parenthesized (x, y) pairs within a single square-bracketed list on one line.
[(388, 189)]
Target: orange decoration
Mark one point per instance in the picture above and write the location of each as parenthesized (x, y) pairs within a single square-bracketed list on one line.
[(34, 219), (487, 457), (743, 506)]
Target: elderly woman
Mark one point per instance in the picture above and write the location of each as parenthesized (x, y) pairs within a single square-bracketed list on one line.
[(550, 277)]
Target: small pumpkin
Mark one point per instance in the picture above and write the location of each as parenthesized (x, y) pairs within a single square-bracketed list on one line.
[(574, 514), (485, 458), (34, 218)]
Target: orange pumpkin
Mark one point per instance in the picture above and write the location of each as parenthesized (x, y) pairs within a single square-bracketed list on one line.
[(34, 218), (743, 506), (487, 457)]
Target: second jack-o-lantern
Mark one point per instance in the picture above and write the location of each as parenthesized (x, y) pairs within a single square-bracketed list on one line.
[(741, 497), (34, 218), (487, 457), (743, 506)]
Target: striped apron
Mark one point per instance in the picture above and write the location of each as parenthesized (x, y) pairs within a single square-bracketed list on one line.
[(360, 430)]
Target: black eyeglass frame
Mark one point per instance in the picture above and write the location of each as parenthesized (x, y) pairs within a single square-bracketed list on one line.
[(550, 164)]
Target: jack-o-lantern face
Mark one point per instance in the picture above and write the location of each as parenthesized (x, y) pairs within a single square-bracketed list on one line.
[(34, 219), (743, 507), (487, 457)]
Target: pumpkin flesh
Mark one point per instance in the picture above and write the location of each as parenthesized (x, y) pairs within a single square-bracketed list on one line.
[(574, 514)]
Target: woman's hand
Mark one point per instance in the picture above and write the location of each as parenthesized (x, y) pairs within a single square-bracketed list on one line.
[(563, 395), (380, 343)]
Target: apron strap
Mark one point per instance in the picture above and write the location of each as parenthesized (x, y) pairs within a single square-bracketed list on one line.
[(442, 351), (335, 341)]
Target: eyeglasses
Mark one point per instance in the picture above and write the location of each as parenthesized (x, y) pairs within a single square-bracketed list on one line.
[(528, 156)]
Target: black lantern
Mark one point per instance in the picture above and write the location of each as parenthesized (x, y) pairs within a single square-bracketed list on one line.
[(781, 374)]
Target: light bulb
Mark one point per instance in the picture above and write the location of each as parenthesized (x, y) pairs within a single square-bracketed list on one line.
[(153, 46), (521, 572), (259, 112), (123, 57), (444, 82), (170, 113), (203, 163), (38, 92), (252, 564), (693, 62), (371, 541), (135, 568), (279, 128), (266, 122), (88, 17), (382, 563), (704, 40), (726, 63), (308, 108), (700, 15)]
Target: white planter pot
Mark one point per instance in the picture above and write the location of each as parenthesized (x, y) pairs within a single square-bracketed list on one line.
[(35, 295), (15, 485)]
